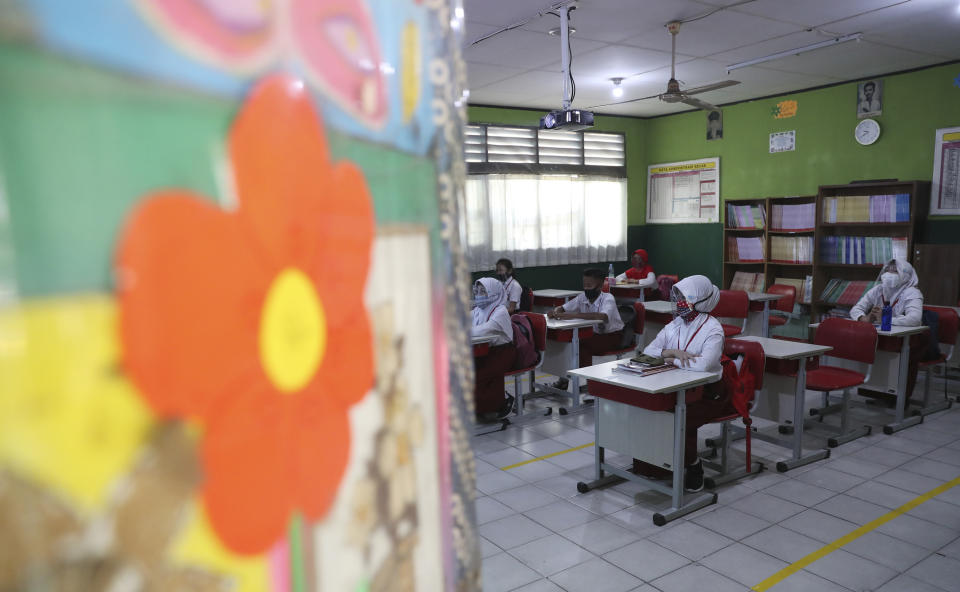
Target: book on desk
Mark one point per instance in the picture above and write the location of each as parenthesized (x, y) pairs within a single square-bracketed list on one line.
[(642, 369)]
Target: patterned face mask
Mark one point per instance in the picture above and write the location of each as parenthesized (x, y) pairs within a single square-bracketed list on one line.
[(685, 312)]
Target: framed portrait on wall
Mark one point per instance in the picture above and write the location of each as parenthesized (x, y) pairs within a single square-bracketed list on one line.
[(715, 124), (869, 98)]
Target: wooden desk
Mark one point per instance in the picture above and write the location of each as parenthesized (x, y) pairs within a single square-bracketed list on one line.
[(652, 436), (481, 345), (779, 349), (759, 324), (563, 353), (903, 333)]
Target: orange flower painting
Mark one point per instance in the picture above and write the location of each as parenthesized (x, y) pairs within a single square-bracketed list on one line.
[(250, 320)]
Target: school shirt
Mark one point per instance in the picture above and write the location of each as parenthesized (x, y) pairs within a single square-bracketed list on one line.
[(514, 290), (703, 336), (604, 303), (496, 326), (907, 307)]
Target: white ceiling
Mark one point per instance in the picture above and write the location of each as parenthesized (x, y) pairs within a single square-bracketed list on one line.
[(627, 38)]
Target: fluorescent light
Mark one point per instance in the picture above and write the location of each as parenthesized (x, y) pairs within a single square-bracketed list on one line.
[(797, 51)]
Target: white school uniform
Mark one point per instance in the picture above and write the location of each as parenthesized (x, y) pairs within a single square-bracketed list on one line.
[(702, 336), (493, 319), (513, 290), (907, 307), (604, 303)]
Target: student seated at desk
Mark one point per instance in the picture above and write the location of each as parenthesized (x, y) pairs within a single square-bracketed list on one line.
[(694, 340), (898, 288), (511, 287), (490, 318), (593, 304), (641, 273)]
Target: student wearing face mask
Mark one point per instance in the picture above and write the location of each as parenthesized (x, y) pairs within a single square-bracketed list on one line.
[(592, 304), (490, 318), (898, 289), (693, 340), (511, 286), (641, 273)]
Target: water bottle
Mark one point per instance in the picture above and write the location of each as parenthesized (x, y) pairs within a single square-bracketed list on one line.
[(611, 275), (886, 317)]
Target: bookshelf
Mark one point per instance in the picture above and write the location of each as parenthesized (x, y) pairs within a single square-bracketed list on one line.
[(859, 226), (792, 220), (744, 226)]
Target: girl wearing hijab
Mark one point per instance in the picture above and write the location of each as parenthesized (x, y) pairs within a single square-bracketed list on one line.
[(641, 273), (490, 318), (898, 288), (694, 340)]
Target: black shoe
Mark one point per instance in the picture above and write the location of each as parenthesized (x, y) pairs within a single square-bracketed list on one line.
[(693, 478), (507, 408), (561, 383)]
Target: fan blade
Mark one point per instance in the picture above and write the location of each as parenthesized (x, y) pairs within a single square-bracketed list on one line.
[(708, 87), (699, 104), (623, 102)]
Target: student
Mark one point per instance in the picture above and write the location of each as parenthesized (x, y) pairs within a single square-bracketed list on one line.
[(641, 273), (490, 318), (511, 286), (898, 288), (694, 340), (594, 305)]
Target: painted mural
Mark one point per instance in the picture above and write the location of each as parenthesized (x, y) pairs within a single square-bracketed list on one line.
[(231, 300)]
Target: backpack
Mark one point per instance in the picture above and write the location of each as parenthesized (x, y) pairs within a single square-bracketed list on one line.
[(627, 315), (932, 320), (526, 355), (526, 300)]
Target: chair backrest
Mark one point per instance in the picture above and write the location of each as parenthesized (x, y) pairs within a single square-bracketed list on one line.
[(538, 323), (733, 304), (850, 340), (785, 304), (949, 321), (665, 282), (754, 357), (638, 318)]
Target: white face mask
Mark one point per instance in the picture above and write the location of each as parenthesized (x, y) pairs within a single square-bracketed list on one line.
[(889, 280)]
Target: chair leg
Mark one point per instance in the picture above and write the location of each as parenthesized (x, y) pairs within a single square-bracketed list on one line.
[(928, 406), (846, 435), (518, 394)]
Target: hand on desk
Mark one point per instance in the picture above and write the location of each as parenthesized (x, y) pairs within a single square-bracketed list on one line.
[(873, 316), (669, 355)]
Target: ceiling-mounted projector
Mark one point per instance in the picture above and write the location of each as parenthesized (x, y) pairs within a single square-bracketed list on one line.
[(570, 120), (565, 118)]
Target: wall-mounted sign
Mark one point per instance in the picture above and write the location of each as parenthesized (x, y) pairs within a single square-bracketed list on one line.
[(784, 109), (783, 141)]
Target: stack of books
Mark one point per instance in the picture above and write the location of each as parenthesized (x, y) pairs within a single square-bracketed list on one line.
[(642, 369), (747, 282), (845, 292), (791, 249), (749, 216), (793, 217), (867, 208), (862, 250), (745, 249), (804, 287)]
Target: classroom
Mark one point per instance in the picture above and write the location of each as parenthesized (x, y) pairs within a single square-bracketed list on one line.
[(479, 295), (781, 191)]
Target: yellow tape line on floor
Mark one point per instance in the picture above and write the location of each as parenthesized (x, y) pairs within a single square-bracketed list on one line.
[(545, 456), (851, 536)]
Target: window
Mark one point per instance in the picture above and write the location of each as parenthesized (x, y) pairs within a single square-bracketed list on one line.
[(544, 197)]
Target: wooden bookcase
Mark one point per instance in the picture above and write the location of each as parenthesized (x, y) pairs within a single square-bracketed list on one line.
[(919, 192), (731, 267), (775, 269)]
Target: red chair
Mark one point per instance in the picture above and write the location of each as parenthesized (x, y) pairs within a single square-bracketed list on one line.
[(733, 304), (947, 328), (538, 323), (784, 305), (755, 361), (638, 321), (850, 340)]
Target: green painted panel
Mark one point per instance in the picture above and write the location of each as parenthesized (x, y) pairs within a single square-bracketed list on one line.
[(80, 145)]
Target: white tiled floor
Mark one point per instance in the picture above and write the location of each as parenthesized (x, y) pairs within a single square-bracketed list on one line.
[(538, 534)]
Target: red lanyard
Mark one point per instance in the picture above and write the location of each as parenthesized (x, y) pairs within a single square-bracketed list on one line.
[(885, 303), (692, 336)]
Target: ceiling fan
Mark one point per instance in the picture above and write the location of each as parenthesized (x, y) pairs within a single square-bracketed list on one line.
[(674, 93)]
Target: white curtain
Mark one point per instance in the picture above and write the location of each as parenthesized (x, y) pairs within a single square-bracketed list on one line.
[(544, 219)]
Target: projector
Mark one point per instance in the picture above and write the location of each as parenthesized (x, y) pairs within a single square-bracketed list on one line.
[(570, 120)]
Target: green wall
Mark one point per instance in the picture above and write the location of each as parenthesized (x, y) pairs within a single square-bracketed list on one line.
[(915, 104)]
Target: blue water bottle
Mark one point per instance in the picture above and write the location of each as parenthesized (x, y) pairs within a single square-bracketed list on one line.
[(886, 316)]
